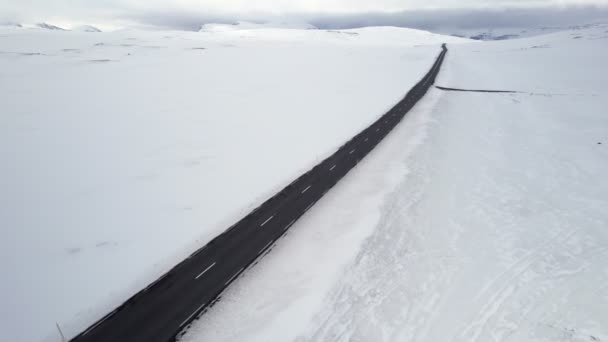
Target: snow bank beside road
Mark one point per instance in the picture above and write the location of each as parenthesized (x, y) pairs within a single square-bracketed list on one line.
[(123, 152), (481, 218), (278, 299)]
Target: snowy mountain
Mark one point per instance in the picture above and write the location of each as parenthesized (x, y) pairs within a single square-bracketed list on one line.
[(245, 25), (86, 28), (514, 32), (9, 24), (49, 27)]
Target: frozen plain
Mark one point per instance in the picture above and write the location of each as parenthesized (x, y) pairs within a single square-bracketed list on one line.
[(125, 151), (482, 217)]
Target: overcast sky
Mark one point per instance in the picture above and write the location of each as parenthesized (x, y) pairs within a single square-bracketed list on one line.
[(189, 14)]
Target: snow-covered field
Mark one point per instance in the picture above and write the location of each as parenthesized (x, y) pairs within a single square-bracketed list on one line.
[(512, 32), (123, 152), (483, 217)]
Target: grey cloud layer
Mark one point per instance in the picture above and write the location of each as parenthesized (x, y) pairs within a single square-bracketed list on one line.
[(471, 18), (422, 19), (190, 14)]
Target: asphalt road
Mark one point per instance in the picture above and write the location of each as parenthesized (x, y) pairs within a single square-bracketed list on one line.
[(160, 311)]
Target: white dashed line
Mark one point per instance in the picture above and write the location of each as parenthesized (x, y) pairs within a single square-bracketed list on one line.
[(206, 269), (332, 168), (268, 219), (366, 139), (353, 150), (308, 187)]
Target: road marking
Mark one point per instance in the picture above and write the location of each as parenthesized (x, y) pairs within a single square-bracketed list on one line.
[(194, 313), (353, 150), (366, 139), (201, 249), (377, 129), (234, 225), (101, 321), (156, 281), (290, 224), (311, 204), (234, 276), (268, 219), (206, 269), (332, 168), (308, 187), (295, 180), (268, 244)]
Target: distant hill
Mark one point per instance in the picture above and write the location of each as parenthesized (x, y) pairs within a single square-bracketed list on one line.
[(86, 28), (49, 27), (246, 25), (514, 32), (10, 24)]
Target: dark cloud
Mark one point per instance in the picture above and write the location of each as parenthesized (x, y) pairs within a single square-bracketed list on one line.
[(191, 14), (433, 20), (470, 18)]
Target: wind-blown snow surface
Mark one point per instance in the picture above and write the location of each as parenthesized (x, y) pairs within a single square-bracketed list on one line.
[(482, 217), (124, 152), (247, 26)]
